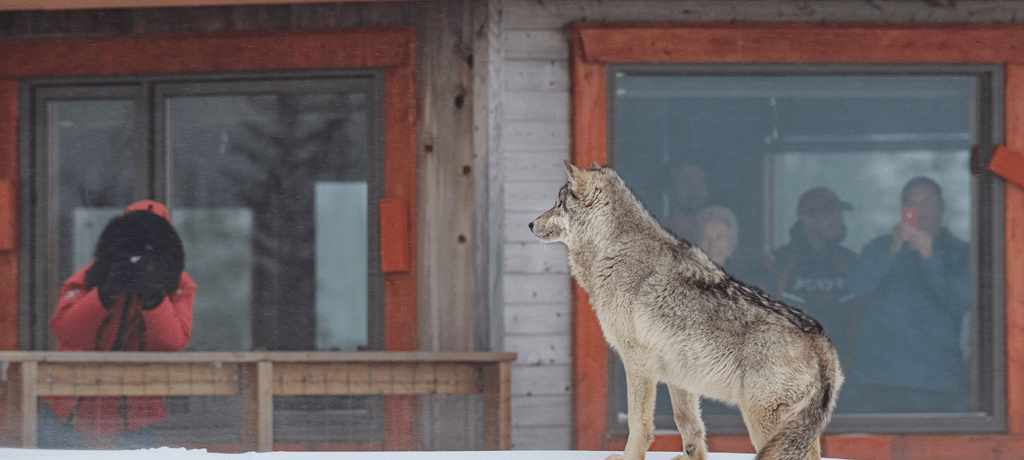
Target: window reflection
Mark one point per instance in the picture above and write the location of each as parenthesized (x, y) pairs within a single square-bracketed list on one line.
[(807, 175), (92, 141), (276, 185)]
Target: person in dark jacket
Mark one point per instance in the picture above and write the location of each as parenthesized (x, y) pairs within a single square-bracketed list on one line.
[(134, 296), (810, 272), (917, 280)]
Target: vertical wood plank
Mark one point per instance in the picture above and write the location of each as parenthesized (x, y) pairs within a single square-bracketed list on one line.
[(20, 418), (497, 388), (258, 406), (1014, 215), (488, 88), (446, 136)]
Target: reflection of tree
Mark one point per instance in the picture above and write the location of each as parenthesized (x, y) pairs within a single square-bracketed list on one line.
[(94, 146), (290, 143), (94, 152)]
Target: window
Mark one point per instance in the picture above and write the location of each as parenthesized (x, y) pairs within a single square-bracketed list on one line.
[(192, 66), (597, 48), (268, 178), (803, 169)]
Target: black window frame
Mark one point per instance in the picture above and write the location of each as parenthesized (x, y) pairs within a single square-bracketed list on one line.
[(988, 226)]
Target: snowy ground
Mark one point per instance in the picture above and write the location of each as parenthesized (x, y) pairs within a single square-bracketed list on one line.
[(166, 453)]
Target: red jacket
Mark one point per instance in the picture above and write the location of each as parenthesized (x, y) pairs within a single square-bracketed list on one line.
[(77, 323)]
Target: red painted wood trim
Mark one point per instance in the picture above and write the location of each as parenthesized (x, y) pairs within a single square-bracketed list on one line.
[(400, 163), (596, 44), (1014, 269), (590, 363), (8, 218), (9, 215), (791, 42), (873, 447), (394, 235), (220, 52), (13, 5)]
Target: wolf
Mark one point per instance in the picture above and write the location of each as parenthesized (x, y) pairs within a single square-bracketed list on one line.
[(675, 316)]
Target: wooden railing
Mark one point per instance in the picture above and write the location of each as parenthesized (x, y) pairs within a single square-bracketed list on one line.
[(257, 377)]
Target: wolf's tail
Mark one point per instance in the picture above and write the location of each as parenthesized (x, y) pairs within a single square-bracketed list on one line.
[(797, 435)]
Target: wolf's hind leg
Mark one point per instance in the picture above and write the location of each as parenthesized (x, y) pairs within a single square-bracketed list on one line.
[(640, 392), (686, 411), (780, 433), (762, 422)]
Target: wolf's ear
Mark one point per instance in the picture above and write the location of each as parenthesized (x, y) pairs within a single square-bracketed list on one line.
[(595, 167), (574, 171)]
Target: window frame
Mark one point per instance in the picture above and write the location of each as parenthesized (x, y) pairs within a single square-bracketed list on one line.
[(393, 49), (594, 46), (154, 170), (987, 218)]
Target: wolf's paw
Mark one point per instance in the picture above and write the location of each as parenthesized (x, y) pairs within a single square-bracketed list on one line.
[(692, 456), (693, 453), (615, 457)]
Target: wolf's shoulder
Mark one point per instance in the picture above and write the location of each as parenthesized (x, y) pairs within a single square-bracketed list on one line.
[(742, 295)]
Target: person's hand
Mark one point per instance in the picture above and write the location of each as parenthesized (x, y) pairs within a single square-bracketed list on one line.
[(915, 239), (150, 298), (119, 276), (156, 276)]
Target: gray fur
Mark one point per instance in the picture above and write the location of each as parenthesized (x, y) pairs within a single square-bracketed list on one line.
[(675, 316)]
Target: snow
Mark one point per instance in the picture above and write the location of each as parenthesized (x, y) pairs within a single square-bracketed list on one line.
[(167, 453)]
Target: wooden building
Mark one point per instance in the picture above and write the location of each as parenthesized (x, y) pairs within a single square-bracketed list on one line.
[(469, 108)]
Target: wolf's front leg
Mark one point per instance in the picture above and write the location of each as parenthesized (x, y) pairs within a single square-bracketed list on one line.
[(640, 394), (686, 409)]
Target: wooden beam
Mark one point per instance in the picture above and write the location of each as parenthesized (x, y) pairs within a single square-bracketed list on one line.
[(136, 379), (800, 43), (20, 419), (497, 388), (9, 214), (258, 406), (15, 5), (590, 366), (1014, 268), (375, 379), (252, 356)]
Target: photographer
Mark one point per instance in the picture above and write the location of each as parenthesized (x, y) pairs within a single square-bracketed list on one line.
[(134, 296), (918, 288)]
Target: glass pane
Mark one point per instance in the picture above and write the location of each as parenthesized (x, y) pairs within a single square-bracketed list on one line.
[(272, 191), (92, 140), (795, 184)]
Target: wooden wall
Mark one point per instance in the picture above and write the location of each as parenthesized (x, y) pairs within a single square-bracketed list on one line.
[(494, 126), (535, 136), (452, 167), (455, 284)]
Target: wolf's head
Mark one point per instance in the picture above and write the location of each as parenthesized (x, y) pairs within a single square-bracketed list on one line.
[(581, 195)]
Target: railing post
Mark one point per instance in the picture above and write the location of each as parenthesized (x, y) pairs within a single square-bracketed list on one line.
[(497, 396), (258, 406), (21, 421)]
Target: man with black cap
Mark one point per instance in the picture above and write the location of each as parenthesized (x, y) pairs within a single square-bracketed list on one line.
[(810, 271)]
